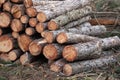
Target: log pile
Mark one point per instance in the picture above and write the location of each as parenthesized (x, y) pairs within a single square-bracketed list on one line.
[(63, 31)]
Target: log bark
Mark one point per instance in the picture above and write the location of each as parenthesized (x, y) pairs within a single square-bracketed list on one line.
[(15, 35), (23, 42), (30, 31), (17, 1), (53, 51), (28, 3), (15, 54), (65, 37), (5, 19), (17, 11), (36, 46), (7, 6), (16, 25), (82, 51), (65, 6), (24, 19), (57, 66), (62, 20), (27, 58), (81, 66), (7, 43), (33, 22), (31, 12), (40, 27)]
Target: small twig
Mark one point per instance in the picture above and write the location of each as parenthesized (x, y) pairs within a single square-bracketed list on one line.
[(99, 76)]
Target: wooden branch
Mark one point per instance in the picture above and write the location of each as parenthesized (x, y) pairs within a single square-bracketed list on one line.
[(24, 41), (81, 66), (62, 20), (53, 51), (36, 46), (15, 54), (40, 27)]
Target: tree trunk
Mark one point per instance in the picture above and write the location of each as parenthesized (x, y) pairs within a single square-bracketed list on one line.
[(15, 54), (33, 22), (65, 6), (7, 6), (65, 37), (36, 46), (7, 43), (40, 27), (57, 66), (31, 12), (17, 1), (81, 66), (17, 11), (82, 51), (62, 20), (5, 19), (24, 19), (53, 51), (30, 31), (28, 3), (15, 35), (24, 41), (16, 25)]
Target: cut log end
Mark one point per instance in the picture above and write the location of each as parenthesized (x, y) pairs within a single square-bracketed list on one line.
[(52, 25), (29, 31), (12, 56), (24, 19), (41, 17), (69, 53), (50, 52), (28, 3), (39, 27), (33, 22), (67, 70), (23, 59), (62, 38), (31, 12), (54, 68), (35, 48), (15, 35)]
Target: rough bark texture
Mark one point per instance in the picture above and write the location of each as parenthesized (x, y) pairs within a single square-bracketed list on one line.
[(57, 66), (23, 42), (15, 54), (7, 43), (5, 19), (33, 22), (24, 19), (31, 12), (77, 67), (40, 27), (65, 6), (7, 6), (16, 25), (53, 51), (30, 31), (62, 20), (65, 37), (36, 46), (82, 51)]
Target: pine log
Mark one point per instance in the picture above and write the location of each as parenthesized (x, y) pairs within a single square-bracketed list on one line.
[(17, 11), (82, 66), (23, 42), (7, 6), (17, 1), (53, 51), (27, 58), (28, 3), (30, 31), (104, 21), (24, 19), (7, 43), (16, 25), (33, 22), (62, 20), (5, 19), (31, 12), (15, 54), (15, 35), (4, 57), (57, 66), (65, 37), (65, 6), (36, 46), (2, 2), (82, 51), (40, 27)]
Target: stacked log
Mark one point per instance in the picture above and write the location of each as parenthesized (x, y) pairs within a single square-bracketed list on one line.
[(65, 32)]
